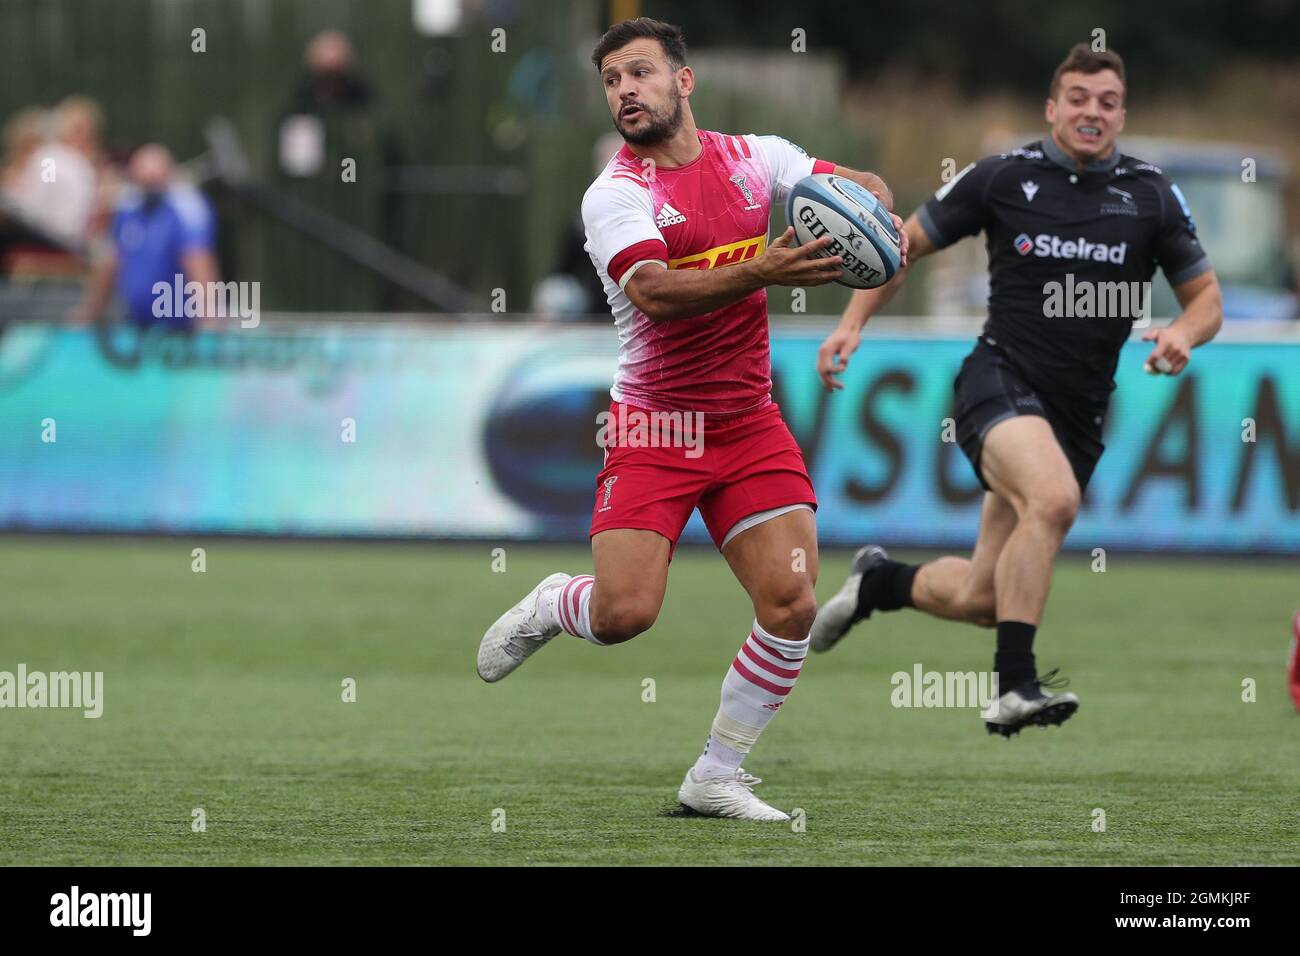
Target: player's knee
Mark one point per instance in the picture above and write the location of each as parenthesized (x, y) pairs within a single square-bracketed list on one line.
[(790, 614), (621, 621), (1056, 509)]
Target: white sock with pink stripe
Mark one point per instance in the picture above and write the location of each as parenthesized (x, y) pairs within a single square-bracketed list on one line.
[(754, 689), (570, 607)]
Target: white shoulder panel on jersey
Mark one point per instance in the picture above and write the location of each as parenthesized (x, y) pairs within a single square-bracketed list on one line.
[(786, 163), (617, 213)]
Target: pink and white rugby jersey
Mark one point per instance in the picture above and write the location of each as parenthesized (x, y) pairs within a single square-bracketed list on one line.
[(708, 214)]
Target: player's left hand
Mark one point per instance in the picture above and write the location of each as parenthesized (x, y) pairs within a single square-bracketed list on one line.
[(833, 356), (1172, 346)]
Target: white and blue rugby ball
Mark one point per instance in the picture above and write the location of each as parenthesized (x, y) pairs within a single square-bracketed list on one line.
[(860, 228)]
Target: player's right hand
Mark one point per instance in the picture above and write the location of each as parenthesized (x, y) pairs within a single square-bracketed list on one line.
[(783, 264), (833, 356)]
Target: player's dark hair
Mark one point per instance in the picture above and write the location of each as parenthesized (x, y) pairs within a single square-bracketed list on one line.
[(670, 37), (1084, 59)]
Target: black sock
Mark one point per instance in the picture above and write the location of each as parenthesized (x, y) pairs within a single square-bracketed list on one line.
[(1014, 660), (886, 587)]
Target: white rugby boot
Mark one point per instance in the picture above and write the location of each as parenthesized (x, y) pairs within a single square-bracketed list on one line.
[(517, 634), (836, 616), (731, 796), (1027, 705)]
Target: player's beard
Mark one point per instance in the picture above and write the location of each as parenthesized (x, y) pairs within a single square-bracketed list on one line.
[(662, 126)]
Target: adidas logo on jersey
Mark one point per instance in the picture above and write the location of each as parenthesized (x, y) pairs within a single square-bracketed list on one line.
[(668, 216)]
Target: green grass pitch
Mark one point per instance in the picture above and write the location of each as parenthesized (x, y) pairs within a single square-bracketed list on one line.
[(223, 691)]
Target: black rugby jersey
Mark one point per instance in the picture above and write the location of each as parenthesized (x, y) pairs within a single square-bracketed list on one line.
[(1046, 222)]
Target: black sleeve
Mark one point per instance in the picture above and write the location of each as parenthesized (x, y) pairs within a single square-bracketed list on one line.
[(960, 207), (1176, 247)]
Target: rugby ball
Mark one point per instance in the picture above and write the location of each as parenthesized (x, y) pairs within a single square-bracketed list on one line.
[(860, 228)]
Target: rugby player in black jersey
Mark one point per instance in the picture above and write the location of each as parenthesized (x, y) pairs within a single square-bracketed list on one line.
[(1030, 399)]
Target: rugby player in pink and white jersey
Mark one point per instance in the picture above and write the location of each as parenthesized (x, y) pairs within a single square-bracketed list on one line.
[(677, 230)]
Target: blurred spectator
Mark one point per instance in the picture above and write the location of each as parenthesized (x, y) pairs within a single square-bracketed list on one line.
[(330, 85), (79, 125), (332, 155), (573, 289), (23, 135), (331, 79), (49, 184), (161, 231)]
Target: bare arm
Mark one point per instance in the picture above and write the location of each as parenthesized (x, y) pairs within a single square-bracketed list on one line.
[(200, 266), (99, 289), (833, 356), (1201, 318), (1202, 304), (666, 294), (867, 302)]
